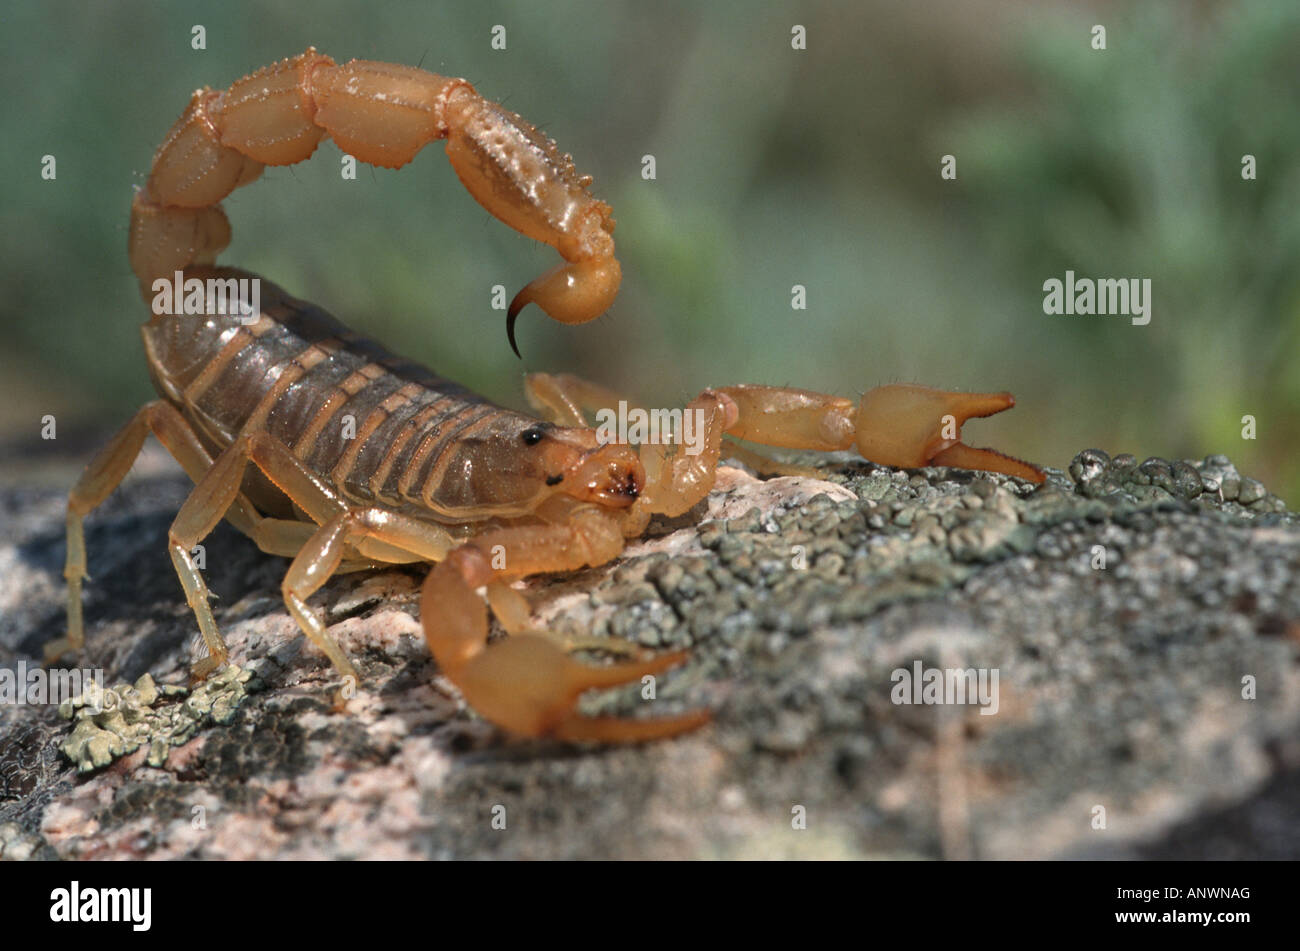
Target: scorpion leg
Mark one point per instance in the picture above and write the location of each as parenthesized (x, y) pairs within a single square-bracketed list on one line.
[(212, 499), (512, 610), (527, 683), (515, 615), (564, 398), (766, 465), (104, 474), (379, 533), (902, 424)]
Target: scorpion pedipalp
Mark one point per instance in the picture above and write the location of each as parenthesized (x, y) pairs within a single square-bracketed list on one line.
[(528, 683), (905, 425)]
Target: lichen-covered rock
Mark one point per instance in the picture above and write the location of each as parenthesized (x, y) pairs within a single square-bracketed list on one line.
[(1144, 620), (109, 723)]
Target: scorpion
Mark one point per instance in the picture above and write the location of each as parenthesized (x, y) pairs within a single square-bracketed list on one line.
[(250, 404)]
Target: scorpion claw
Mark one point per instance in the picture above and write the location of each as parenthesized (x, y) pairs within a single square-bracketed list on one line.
[(530, 686), (961, 456), (909, 426), (527, 683), (619, 730)]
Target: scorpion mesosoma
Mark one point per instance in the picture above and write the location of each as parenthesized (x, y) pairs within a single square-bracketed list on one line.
[(251, 404)]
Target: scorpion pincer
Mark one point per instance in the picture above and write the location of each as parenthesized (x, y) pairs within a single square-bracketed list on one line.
[(251, 404)]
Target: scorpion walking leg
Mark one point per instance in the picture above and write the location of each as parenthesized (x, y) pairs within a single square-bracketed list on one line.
[(766, 465), (104, 474), (512, 610), (565, 398), (903, 425), (527, 683), (282, 536), (210, 502), (384, 535)]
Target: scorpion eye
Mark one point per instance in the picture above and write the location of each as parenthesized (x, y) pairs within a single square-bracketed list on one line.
[(531, 437)]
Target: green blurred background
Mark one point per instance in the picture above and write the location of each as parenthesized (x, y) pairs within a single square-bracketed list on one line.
[(774, 167)]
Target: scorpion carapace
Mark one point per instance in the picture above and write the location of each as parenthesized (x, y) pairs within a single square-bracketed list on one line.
[(325, 448)]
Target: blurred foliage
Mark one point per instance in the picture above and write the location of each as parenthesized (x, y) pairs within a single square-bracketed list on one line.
[(774, 167), (1135, 170)]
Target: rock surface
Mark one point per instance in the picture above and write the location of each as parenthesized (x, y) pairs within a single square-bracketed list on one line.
[(1143, 621)]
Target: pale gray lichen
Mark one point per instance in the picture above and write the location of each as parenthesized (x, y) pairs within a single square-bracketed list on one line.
[(111, 723)]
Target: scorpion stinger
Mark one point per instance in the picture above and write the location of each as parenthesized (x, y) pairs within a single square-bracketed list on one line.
[(511, 316)]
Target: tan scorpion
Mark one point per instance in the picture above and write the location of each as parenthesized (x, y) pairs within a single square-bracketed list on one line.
[(251, 404)]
